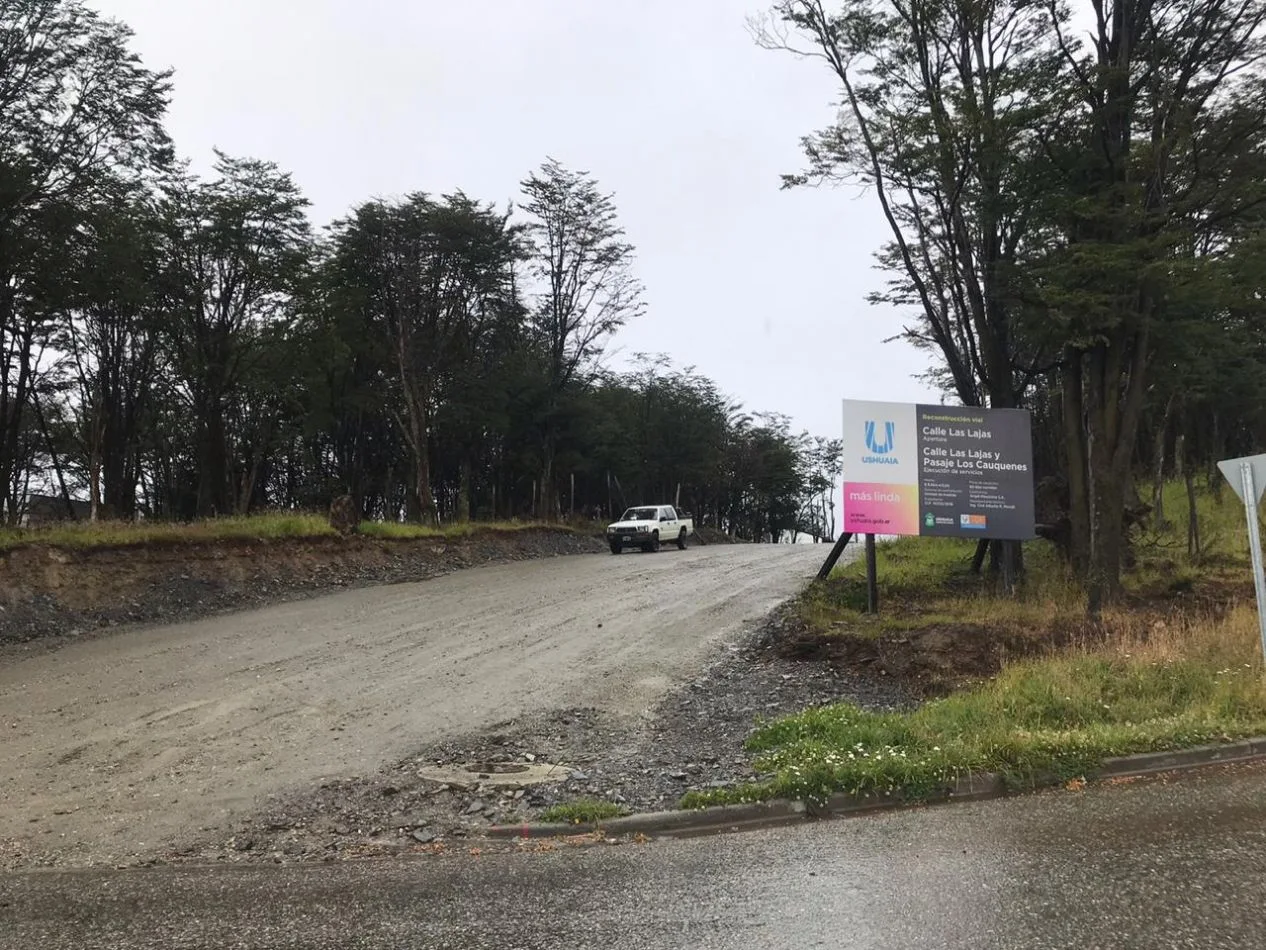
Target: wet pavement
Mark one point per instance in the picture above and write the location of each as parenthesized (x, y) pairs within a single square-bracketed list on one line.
[(1163, 864)]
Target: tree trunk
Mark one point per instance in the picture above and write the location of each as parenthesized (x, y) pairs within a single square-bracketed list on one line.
[(1078, 486), (52, 454), (1216, 482), (978, 557), (213, 467), (1115, 402), (1189, 481), (1158, 467), (120, 476), (1193, 515), (547, 503), (463, 495), (418, 431), (17, 342), (250, 481), (95, 442), (428, 511), (1104, 580)]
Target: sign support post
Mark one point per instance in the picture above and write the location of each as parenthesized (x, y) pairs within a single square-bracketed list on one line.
[(872, 576), (1247, 482), (829, 564)]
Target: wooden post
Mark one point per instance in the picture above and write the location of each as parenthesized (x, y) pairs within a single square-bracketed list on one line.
[(677, 500), (573, 494), (872, 577), (825, 570), (1007, 557)]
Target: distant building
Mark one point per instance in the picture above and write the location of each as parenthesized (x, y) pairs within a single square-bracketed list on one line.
[(47, 509)]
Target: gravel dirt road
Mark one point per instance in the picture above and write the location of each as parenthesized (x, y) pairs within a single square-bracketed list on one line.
[(137, 743)]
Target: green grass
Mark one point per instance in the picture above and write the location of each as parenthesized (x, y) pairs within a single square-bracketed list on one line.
[(1057, 717), (82, 535), (583, 811), (395, 531), (1220, 518), (926, 582), (1158, 671)]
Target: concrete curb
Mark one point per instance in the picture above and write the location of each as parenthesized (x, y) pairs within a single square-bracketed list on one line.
[(678, 823), (978, 786)]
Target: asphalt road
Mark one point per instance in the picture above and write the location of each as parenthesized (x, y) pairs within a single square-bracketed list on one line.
[(132, 744), (1153, 866)]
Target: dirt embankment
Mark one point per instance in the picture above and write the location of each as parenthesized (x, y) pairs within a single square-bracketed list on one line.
[(47, 591)]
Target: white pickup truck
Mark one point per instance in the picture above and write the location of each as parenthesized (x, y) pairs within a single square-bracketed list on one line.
[(648, 526)]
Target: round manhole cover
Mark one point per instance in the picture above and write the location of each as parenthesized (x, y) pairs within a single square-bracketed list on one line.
[(503, 774), (497, 768)]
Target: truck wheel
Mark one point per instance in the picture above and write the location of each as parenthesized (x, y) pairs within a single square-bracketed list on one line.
[(615, 547), (654, 545), (681, 540)]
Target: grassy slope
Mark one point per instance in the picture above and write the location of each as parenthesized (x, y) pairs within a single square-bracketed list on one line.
[(264, 527), (1155, 674)]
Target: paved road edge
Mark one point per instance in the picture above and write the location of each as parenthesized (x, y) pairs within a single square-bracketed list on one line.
[(971, 787)]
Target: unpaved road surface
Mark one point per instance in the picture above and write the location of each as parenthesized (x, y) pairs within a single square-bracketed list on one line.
[(136, 743)]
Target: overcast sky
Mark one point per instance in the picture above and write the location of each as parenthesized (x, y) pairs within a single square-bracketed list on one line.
[(669, 104)]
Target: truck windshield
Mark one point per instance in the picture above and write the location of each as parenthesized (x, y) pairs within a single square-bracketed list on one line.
[(640, 514)]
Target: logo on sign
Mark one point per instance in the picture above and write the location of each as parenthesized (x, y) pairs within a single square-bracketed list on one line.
[(880, 447), (974, 522)]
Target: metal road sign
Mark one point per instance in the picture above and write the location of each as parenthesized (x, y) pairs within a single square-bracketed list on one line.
[(1231, 469), (939, 471), (1248, 478)]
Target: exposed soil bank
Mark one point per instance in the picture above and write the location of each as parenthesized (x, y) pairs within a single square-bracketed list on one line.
[(48, 591)]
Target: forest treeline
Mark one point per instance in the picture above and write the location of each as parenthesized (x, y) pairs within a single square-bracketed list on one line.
[(179, 346), (1075, 194)]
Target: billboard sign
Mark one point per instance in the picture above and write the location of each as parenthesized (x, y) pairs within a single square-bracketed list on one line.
[(938, 471)]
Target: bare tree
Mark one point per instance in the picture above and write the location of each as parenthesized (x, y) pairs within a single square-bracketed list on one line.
[(589, 290), (938, 107)]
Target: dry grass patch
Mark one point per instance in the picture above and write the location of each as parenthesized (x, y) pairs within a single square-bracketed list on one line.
[(272, 526), (118, 534), (941, 627), (1026, 685)]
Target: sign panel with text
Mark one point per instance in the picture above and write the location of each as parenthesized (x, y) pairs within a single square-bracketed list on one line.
[(938, 471)]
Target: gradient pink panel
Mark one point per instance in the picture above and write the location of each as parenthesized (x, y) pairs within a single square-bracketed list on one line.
[(875, 508)]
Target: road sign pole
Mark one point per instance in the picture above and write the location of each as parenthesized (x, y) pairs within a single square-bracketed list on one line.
[(1255, 545), (872, 576), (829, 564)]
